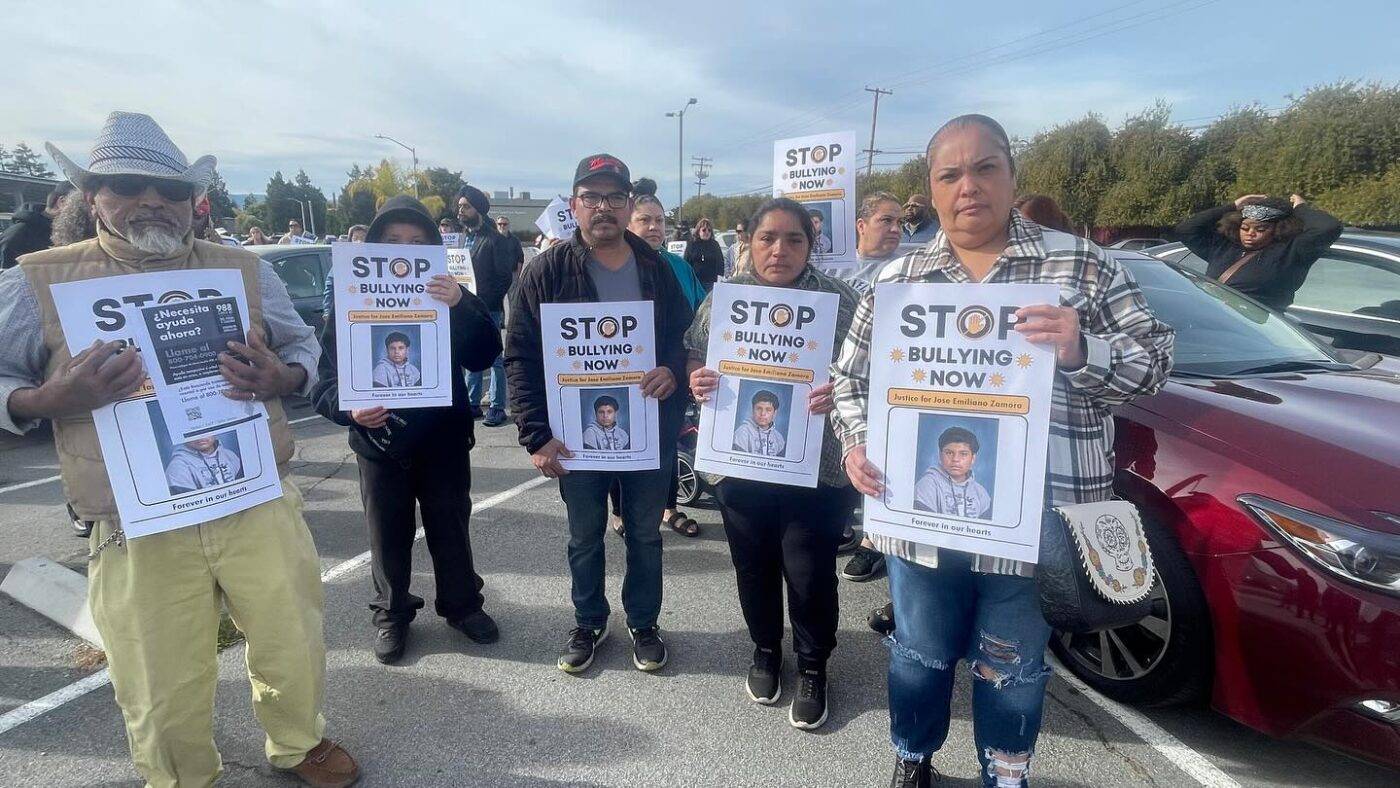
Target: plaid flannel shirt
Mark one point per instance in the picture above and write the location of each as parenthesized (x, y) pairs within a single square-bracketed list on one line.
[(1129, 356)]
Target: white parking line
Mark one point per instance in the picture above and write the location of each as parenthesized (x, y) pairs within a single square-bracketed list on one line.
[(48, 479), (17, 717), (1170, 747)]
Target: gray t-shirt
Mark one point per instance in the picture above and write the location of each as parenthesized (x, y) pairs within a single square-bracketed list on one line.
[(624, 284)]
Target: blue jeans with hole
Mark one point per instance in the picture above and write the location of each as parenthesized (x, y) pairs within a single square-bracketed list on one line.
[(993, 622), (498, 376)]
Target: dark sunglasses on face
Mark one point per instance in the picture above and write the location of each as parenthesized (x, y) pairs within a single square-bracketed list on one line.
[(135, 185), (594, 199)]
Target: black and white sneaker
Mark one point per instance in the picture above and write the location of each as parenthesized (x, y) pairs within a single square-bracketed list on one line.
[(648, 649), (914, 774), (808, 710), (866, 564), (583, 643), (765, 683), (850, 540)]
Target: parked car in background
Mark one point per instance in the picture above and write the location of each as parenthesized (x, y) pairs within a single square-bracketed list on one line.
[(303, 267), (1351, 296), (726, 238), (1267, 472), (1137, 244)]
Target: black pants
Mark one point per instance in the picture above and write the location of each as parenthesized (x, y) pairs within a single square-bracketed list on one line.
[(779, 533), (440, 484), (615, 495)]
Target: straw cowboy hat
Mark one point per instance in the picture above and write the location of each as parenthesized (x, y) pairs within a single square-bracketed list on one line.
[(134, 144)]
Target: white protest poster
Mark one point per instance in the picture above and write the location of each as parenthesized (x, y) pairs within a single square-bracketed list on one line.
[(302, 239), (459, 267), (180, 344), (819, 171), (557, 221), (676, 248), (594, 358), (393, 339), (771, 346), (959, 417), (451, 240), (161, 484)]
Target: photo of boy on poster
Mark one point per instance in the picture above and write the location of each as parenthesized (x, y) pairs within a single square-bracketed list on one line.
[(605, 422), (759, 430), (950, 482), (821, 223), (394, 368), (199, 463)]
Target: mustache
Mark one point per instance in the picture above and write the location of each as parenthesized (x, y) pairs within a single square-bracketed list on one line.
[(604, 219), (151, 217)]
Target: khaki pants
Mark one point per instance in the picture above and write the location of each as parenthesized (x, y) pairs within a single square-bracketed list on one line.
[(156, 603)]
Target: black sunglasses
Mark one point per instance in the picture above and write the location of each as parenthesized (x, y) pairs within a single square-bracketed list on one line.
[(135, 185)]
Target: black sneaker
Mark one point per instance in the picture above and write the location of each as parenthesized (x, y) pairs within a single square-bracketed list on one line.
[(765, 682), (648, 650), (495, 417), (881, 619), (478, 626), (913, 774), (808, 710), (389, 643), (866, 564), (578, 654), (850, 540)]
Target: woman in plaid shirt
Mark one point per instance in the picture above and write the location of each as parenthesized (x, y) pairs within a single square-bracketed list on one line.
[(1109, 349)]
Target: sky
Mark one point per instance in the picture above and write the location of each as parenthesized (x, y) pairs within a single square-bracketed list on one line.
[(514, 94)]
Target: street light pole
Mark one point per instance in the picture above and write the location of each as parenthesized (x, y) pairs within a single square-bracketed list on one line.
[(680, 153), (411, 151)]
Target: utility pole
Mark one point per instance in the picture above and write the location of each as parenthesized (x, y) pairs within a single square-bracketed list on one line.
[(702, 171), (870, 165), (680, 152)]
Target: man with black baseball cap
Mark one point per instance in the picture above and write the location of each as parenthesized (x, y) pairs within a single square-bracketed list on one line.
[(603, 262)]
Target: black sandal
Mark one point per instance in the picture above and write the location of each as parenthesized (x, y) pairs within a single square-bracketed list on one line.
[(683, 525)]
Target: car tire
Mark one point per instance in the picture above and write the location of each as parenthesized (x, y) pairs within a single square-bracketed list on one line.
[(1164, 660), (689, 485)]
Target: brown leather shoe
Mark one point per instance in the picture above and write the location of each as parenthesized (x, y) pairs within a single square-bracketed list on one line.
[(328, 765)]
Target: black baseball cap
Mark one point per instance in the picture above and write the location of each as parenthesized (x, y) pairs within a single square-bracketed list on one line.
[(603, 164)]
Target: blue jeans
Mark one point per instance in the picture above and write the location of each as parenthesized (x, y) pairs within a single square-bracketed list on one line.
[(498, 376), (994, 622), (585, 496)]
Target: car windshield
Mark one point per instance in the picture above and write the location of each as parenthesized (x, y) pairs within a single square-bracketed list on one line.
[(1220, 332)]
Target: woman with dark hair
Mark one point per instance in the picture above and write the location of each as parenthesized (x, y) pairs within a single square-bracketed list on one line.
[(777, 532), (1260, 245), (1045, 212), (956, 605), (704, 253)]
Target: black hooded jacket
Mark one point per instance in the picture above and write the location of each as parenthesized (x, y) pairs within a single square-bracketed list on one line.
[(493, 261), (707, 258), (30, 232), (560, 275)]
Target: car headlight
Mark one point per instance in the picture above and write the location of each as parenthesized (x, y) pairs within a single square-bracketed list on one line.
[(1366, 557)]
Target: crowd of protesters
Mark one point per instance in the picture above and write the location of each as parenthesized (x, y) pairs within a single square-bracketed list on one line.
[(139, 206)]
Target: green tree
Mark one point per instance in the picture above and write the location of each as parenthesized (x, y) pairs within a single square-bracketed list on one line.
[(911, 177), (442, 183), (220, 204), (1070, 163), (1373, 202), (1151, 159), (1212, 179), (5, 160), (25, 161), (725, 212)]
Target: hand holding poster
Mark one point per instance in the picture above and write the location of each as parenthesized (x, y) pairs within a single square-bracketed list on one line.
[(459, 266), (819, 172), (160, 484), (959, 417), (180, 344), (394, 343), (595, 356), (557, 221), (771, 346)]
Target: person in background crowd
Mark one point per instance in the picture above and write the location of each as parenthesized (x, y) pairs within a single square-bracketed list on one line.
[(357, 232), (418, 455), (682, 230), (704, 254), (649, 224), (778, 532), (1260, 245), (516, 249), (256, 237), (736, 250), (32, 230), (920, 223), (293, 231), (1045, 212), (156, 599), (822, 244), (493, 262), (73, 223), (1109, 349), (603, 262), (448, 224)]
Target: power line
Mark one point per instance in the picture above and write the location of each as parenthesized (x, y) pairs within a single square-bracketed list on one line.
[(874, 115)]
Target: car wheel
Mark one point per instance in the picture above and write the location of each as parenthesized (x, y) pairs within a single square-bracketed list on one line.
[(1163, 660), (687, 482)]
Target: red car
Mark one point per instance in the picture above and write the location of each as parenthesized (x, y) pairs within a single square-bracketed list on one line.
[(1267, 470)]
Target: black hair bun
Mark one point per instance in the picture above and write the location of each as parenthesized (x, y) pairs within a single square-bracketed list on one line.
[(644, 186)]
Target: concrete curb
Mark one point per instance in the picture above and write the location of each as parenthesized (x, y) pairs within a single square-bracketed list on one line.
[(54, 592)]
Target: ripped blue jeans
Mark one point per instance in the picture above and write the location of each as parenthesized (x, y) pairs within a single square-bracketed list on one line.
[(993, 622)]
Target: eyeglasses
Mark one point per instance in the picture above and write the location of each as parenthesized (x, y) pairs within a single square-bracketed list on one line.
[(595, 200), (136, 185)]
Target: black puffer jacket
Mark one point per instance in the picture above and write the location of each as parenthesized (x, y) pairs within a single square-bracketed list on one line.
[(560, 275), (707, 258), (1274, 275), (30, 233), (493, 262)]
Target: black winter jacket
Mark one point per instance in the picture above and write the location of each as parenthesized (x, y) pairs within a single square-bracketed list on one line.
[(560, 275), (707, 258), (30, 233), (493, 262), (475, 344), (1276, 273)]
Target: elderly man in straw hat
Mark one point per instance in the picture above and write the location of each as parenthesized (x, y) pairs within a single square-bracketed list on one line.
[(156, 599)]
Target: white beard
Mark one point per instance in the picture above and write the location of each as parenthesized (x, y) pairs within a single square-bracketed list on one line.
[(155, 240)]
